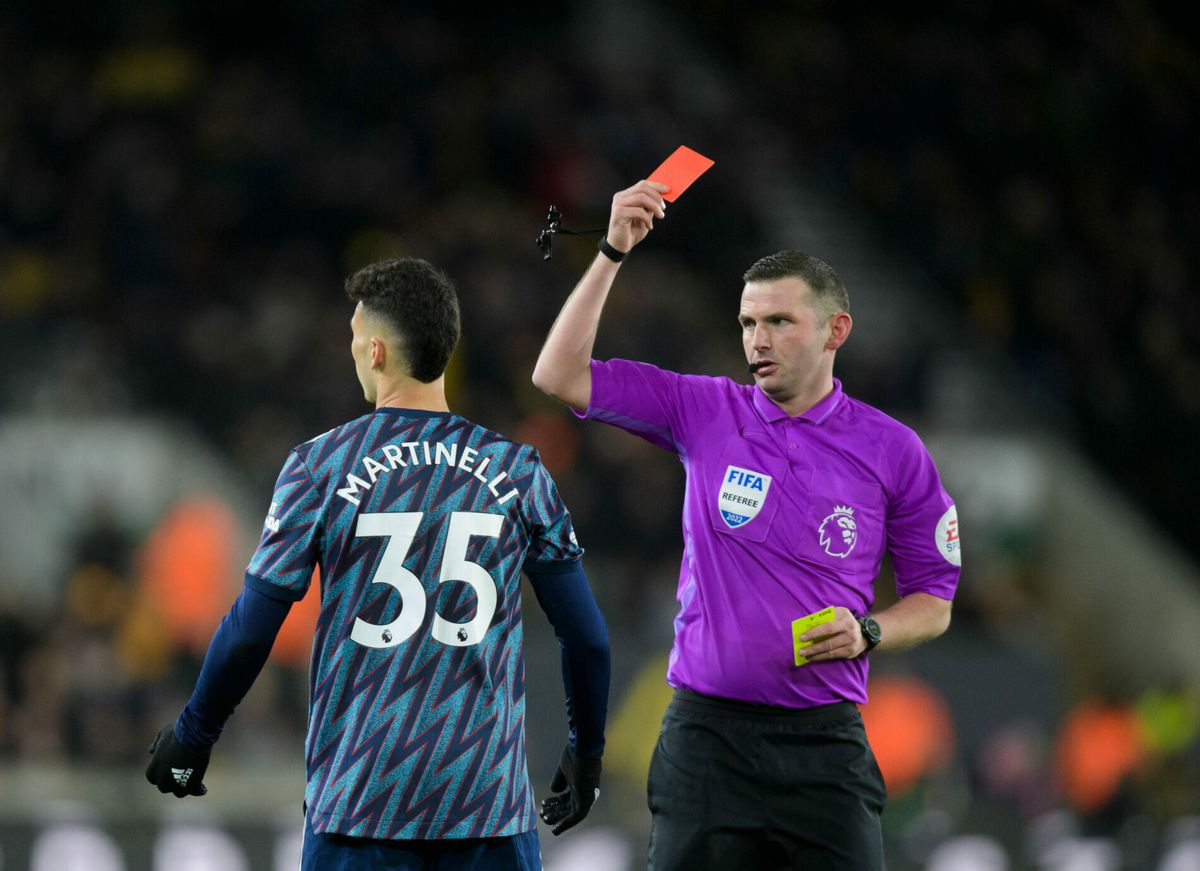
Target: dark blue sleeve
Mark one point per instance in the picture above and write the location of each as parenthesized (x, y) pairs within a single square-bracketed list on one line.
[(565, 596), (236, 655)]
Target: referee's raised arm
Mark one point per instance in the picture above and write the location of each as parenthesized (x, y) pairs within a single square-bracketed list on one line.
[(563, 367)]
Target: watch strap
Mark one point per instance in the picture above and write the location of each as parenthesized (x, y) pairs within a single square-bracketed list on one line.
[(870, 631)]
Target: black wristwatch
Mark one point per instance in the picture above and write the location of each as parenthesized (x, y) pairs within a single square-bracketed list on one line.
[(871, 631)]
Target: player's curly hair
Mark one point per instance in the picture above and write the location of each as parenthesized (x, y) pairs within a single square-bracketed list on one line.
[(828, 292), (419, 301)]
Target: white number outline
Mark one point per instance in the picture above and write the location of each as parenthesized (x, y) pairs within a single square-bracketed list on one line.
[(400, 528)]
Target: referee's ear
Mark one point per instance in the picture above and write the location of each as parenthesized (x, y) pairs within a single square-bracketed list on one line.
[(840, 325)]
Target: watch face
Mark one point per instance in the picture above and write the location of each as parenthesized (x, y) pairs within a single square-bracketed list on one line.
[(870, 629)]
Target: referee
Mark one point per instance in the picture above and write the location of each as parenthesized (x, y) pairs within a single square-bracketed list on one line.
[(794, 492)]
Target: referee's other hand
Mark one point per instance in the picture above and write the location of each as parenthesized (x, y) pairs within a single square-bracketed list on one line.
[(576, 786), (841, 638)]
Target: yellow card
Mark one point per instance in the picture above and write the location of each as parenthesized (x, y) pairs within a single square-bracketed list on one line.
[(799, 627)]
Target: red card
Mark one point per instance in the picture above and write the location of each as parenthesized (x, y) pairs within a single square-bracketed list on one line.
[(679, 171)]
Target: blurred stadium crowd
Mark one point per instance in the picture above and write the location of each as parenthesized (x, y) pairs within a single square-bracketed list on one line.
[(184, 186), (1040, 159)]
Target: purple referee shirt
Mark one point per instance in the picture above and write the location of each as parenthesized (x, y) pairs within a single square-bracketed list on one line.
[(782, 517)]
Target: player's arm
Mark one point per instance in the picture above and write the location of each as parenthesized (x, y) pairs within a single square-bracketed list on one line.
[(236, 655), (563, 367), (567, 599), (913, 620), (582, 634)]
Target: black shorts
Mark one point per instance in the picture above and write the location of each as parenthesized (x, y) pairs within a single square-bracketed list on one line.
[(736, 785)]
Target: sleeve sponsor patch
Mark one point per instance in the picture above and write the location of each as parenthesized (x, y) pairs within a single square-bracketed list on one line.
[(946, 537)]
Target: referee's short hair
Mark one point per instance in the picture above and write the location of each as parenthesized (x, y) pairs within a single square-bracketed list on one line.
[(828, 293), (419, 301)]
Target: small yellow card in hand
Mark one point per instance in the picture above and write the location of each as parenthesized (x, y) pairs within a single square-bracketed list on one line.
[(802, 625)]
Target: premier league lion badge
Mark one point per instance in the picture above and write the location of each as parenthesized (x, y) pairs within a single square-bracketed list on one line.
[(838, 532)]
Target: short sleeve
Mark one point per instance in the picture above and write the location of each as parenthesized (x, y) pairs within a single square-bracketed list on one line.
[(922, 525), (282, 564), (638, 398), (552, 542)]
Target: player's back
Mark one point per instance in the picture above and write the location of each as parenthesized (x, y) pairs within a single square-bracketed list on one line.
[(421, 522)]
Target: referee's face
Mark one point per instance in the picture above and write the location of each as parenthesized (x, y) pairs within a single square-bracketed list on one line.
[(790, 341)]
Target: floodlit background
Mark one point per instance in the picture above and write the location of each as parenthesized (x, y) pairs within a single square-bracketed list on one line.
[(1009, 192)]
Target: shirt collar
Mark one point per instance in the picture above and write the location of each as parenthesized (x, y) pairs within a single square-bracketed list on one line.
[(412, 412), (770, 412)]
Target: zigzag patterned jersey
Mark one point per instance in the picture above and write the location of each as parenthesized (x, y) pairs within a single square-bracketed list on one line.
[(420, 523)]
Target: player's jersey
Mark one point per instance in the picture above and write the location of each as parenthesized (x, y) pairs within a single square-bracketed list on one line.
[(420, 523)]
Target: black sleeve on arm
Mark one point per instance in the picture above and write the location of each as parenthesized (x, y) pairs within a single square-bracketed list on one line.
[(236, 655), (563, 592)]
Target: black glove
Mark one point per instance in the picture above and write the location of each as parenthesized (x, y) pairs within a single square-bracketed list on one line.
[(174, 768), (576, 786)]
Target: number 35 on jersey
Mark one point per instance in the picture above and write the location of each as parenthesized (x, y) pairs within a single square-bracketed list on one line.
[(400, 529)]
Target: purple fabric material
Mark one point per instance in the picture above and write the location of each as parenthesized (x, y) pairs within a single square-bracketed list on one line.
[(782, 517)]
